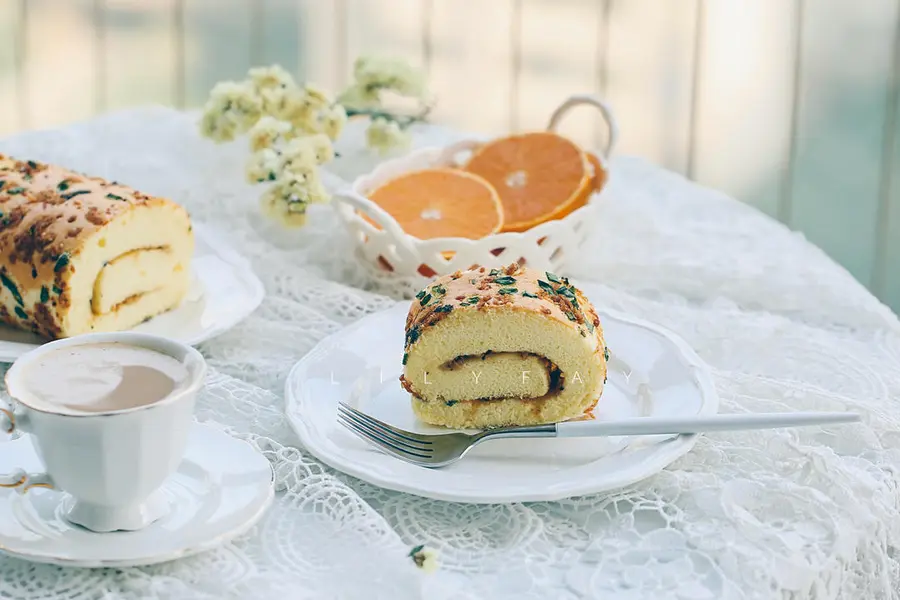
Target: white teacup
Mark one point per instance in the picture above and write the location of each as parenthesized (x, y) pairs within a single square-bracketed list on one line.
[(111, 464)]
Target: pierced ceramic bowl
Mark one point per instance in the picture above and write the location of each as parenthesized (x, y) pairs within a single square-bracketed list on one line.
[(388, 250)]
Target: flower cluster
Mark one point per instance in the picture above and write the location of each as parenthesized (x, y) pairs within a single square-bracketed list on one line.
[(291, 126), (373, 77)]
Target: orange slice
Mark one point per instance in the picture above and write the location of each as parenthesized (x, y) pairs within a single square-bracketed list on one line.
[(434, 203), (539, 176)]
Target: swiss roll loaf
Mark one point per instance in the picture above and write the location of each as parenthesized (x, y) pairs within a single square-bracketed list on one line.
[(80, 254)]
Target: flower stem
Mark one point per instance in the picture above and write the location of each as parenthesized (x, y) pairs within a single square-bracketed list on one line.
[(403, 120)]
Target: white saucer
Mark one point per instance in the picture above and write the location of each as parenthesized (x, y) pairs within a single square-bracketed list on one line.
[(224, 291), (652, 372), (222, 488)]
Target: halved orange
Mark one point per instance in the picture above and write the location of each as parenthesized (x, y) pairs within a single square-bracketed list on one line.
[(539, 176), (433, 203)]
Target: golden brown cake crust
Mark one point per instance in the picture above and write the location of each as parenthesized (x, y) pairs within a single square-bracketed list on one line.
[(512, 286)]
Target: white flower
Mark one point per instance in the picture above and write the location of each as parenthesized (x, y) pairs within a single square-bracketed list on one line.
[(425, 558), (284, 104), (385, 134), (271, 77), (333, 121), (360, 97), (264, 165), (287, 200), (373, 72), (232, 108), (316, 97), (267, 132)]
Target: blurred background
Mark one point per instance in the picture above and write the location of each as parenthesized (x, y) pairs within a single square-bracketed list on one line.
[(788, 105)]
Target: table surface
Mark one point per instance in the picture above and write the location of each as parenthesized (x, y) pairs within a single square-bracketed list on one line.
[(808, 513)]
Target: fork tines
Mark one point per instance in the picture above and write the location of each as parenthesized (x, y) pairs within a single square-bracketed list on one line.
[(396, 442)]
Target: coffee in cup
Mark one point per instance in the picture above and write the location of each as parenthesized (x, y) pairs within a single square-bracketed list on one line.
[(109, 414)]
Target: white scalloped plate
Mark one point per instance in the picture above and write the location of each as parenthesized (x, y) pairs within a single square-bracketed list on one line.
[(224, 292), (652, 372)]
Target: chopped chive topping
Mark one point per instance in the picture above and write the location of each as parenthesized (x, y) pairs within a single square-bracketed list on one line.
[(8, 284), (405, 357), (114, 197), (415, 550), (425, 299), (438, 290), (2, 183), (16, 190), (71, 195), (57, 290), (470, 301), (63, 185), (473, 281), (546, 286), (21, 313), (420, 294), (507, 280), (507, 291), (567, 293), (529, 295), (45, 293), (582, 332), (61, 262), (494, 272), (589, 325), (552, 277), (451, 402), (443, 308), (606, 353), (570, 316), (33, 273), (32, 164), (412, 335)]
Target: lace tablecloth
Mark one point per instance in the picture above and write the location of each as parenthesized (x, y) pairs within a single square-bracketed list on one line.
[(809, 513)]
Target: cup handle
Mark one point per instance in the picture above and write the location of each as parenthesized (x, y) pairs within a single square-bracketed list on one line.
[(20, 480), (603, 107)]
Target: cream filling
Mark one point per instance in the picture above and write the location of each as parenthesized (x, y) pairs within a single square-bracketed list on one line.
[(131, 275), (497, 375)]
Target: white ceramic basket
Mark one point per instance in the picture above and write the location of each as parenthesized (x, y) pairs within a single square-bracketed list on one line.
[(391, 251)]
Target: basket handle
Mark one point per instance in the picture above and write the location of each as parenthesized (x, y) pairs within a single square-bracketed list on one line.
[(579, 99), (381, 217)]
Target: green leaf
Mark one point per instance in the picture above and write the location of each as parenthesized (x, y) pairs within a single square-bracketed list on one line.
[(416, 550), (529, 295), (546, 286), (8, 284), (505, 280), (61, 262), (552, 277), (114, 197), (507, 291), (71, 195), (45, 294), (425, 299)]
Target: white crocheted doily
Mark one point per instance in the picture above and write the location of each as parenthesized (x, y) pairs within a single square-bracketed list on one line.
[(795, 514)]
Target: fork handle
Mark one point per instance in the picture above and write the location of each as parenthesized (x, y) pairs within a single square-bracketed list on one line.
[(656, 425)]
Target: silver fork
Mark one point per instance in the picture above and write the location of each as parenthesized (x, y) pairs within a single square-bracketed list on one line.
[(440, 450)]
